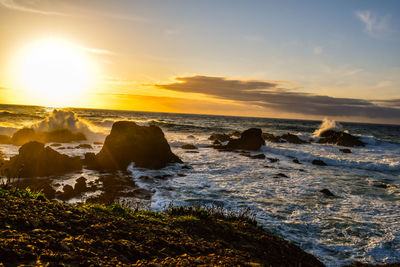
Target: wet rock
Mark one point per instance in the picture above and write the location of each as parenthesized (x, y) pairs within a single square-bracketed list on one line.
[(68, 192), (327, 193), (181, 175), (250, 139), (164, 176), (340, 139), (345, 150), (97, 143), (273, 160), (318, 162), (34, 159), (191, 137), (23, 136), (5, 139), (80, 186), (86, 146), (188, 146), (380, 185), (271, 138), (258, 156), (219, 137), (56, 144), (128, 142), (294, 139), (296, 161), (235, 134), (192, 151)]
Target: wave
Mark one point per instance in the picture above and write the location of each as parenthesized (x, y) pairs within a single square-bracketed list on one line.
[(326, 125)]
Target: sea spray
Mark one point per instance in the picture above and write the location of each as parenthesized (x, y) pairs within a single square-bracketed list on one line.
[(326, 125)]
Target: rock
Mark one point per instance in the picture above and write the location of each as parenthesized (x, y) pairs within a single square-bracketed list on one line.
[(250, 139), (294, 139), (26, 135), (98, 143), (56, 144), (191, 137), (5, 139), (345, 150), (272, 138), (80, 186), (281, 175), (258, 156), (318, 162), (128, 142), (296, 161), (326, 192), (87, 146), (381, 185), (219, 137), (235, 134), (273, 160), (36, 160), (188, 146), (68, 192), (340, 139)]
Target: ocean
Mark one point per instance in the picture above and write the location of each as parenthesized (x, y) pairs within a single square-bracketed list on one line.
[(362, 223)]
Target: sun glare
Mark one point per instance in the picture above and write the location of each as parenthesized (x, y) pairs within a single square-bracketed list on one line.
[(55, 72)]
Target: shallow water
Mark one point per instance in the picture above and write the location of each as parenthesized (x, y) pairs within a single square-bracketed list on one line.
[(360, 223)]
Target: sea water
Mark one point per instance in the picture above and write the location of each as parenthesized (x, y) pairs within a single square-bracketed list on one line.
[(361, 223)]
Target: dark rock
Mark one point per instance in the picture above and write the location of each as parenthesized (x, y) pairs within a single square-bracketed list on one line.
[(219, 137), (340, 139), (164, 176), (191, 137), (192, 151), (188, 146), (294, 139), (68, 192), (98, 143), (258, 156), (181, 175), (56, 144), (36, 160), (87, 146), (296, 161), (273, 160), (326, 192), (5, 139), (128, 142), (381, 185), (80, 186), (250, 139), (281, 175), (318, 162), (235, 134), (272, 138), (345, 150)]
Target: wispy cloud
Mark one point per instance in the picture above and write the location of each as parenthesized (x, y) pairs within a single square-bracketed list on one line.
[(268, 94), (374, 25), (97, 51), (27, 6)]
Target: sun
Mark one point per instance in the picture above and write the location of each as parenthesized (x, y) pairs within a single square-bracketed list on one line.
[(55, 72)]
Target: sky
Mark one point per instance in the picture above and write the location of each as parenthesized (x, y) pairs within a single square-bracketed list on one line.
[(283, 59)]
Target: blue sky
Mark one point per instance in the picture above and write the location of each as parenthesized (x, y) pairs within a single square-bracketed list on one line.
[(340, 49)]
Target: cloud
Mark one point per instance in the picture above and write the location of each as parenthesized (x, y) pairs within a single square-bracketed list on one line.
[(374, 25), (97, 51), (27, 6), (270, 94)]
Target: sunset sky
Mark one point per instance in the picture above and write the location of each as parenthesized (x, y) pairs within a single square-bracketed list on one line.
[(287, 59)]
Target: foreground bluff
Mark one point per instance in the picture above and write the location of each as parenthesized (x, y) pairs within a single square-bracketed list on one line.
[(128, 142)]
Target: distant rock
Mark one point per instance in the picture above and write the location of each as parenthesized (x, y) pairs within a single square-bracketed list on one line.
[(128, 142), (98, 143), (296, 161), (219, 137), (56, 144), (250, 139), (188, 146), (26, 135), (258, 156), (340, 139), (34, 159), (327, 193), (273, 160), (294, 139), (86, 146), (345, 150), (318, 162), (281, 175)]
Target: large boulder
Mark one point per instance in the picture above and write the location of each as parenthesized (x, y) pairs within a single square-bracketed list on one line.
[(340, 139), (34, 159), (250, 139), (63, 135), (128, 142), (294, 139)]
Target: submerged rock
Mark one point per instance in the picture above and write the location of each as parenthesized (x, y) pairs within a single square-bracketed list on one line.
[(318, 162), (220, 137), (250, 139), (340, 139), (34, 159), (326, 192), (188, 146), (87, 146), (128, 142), (345, 150), (272, 138), (258, 156)]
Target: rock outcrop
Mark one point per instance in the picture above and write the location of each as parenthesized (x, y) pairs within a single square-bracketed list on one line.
[(128, 142), (250, 139), (340, 139), (35, 160)]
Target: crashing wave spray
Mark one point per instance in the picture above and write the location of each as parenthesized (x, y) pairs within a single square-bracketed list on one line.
[(326, 125)]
